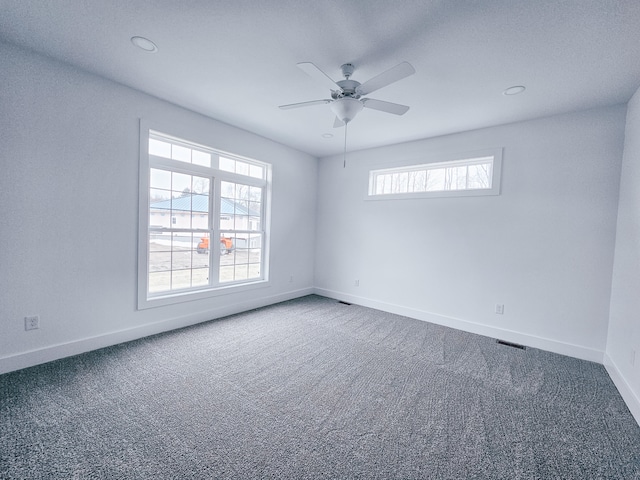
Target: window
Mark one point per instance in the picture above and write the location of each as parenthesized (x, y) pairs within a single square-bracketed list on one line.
[(240, 220), (203, 227), (477, 175)]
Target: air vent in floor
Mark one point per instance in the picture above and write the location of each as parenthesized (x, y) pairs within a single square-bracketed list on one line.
[(509, 344), (344, 303)]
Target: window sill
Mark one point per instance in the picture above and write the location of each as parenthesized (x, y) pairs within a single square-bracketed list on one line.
[(446, 193), (180, 297)]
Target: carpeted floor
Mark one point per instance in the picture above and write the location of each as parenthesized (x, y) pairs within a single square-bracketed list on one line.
[(312, 388)]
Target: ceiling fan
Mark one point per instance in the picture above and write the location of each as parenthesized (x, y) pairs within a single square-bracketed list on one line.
[(347, 95)]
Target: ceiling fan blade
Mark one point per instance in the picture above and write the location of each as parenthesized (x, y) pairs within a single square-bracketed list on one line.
[(304, 104), (383, 106), (338, 123), (314, 72), (392, 75)]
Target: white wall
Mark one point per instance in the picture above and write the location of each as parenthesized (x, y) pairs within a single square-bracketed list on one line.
[(69, 144), (543, 248), (623, 343)]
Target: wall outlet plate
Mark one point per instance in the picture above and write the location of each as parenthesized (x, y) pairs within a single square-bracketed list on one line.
[(32, 322)]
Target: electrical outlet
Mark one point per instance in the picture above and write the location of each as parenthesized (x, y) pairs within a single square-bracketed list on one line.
[(499, 309), (32, 322), (356, 283), (633, 358), (291, 279)]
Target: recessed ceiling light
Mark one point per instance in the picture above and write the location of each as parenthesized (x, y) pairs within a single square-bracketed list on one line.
[(515, 90), (327, 135), (145, 44)]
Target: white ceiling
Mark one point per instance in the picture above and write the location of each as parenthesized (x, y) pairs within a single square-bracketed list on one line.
[(235, 60)]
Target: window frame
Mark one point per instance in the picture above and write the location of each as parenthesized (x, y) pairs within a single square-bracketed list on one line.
[(216, 176), (440, 161)]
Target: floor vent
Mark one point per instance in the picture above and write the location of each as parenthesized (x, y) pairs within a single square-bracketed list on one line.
[(344, 303), (509, 344)]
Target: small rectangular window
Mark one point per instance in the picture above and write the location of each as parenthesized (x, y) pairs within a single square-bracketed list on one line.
[(477, 175)]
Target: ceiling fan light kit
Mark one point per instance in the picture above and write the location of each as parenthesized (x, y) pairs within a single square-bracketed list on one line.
[(346, 108)]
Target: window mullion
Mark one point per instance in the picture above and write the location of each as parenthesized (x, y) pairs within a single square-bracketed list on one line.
[(214, 225)]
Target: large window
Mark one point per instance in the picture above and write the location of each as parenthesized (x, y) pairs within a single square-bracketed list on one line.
[(477, 175), (203, 227)]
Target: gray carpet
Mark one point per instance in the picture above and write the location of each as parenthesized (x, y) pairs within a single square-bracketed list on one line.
[(312, 388)]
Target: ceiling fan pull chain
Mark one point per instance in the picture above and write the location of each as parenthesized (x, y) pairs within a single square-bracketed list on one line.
[(344, 165)]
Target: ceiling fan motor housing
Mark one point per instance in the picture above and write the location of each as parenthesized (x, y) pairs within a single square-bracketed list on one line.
[(348, 88)]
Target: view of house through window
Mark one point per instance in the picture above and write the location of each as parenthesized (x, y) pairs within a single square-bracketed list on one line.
[(206, 215)]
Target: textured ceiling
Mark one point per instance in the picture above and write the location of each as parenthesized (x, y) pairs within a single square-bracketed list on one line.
[(235, 60)]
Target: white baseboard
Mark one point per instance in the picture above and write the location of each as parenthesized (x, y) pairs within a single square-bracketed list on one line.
[(62, 350), (626, 392), (547, 344)]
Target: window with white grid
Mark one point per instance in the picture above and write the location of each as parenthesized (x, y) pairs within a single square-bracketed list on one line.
[(203, 227)]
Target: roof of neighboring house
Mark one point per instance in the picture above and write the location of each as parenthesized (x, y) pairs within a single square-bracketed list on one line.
[(200, 204)]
